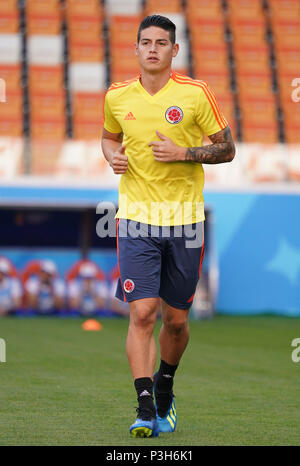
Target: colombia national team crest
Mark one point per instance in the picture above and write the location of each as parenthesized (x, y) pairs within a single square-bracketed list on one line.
[(174, 115), (129, 285)]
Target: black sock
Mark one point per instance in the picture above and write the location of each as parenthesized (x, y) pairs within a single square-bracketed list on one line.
[(165, 375), (144, 390)]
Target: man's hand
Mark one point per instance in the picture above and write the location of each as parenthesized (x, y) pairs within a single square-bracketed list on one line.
[(166, 150), (119, 161)]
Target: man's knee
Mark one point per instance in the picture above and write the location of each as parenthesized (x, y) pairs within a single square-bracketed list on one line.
[(176, 324), (143, 313)]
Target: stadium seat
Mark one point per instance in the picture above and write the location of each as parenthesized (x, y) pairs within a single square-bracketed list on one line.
[(8, 6), (286, 32), (44, 49), (11, 75), (210, 58), (86, 105), (259, 110), (11, 127), (204, 10), (245, 9), (292, 132), (10, 48), (254, 84), (42, 7), (123, 29), (86, 52), (218, 81), (47, 105), (9, 22), (288, 59), (74, 270), (45, 78), (84, 28), (163, 6), (262, 132), (284, 9), (207, 31), (48, 129), (247, 32), (43, 24), (87, 129), (13, 107), (119, 7), (252, 58), (87, 77), (118, 74), (83, 7)]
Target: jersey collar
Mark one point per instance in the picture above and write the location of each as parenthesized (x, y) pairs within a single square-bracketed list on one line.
[(159, 93)]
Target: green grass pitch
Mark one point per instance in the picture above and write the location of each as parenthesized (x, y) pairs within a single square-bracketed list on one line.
[(236, 384)]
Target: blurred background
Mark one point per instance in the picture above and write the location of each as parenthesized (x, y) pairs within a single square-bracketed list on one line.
[(57, 59)]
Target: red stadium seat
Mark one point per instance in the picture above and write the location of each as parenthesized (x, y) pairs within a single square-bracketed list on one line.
[(83, 7), (9, 22), (48, 129), (45, 78), (218, 81), (11, 75), (256, 111), (44, 24), (119, 74), (163, 6), (247, 31), (288, 59), (292, 132), (210, 58), (204, 10), (263, 133), (42, 7), (13, 107), (286, 32), (253, 84), (87, 105), (123, 29), (8, 6), (86, 52), (252, 58), (87, 129), (47, 105), (284, 9), (245, 9), (11, 127), (205, 31), (84, 28)]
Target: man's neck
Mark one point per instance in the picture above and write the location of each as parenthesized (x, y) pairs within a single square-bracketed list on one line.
[(154, 82)]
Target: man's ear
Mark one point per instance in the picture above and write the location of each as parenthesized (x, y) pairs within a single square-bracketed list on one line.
[(175, 50)]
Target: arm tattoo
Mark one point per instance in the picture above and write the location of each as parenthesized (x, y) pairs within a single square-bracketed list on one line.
[(120, 137), (221, 150)]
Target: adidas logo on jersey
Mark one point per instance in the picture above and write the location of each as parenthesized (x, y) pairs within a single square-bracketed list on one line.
[(130, 116)]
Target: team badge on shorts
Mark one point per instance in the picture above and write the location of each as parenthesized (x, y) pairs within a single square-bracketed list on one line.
[(128, 285), (174, 115)]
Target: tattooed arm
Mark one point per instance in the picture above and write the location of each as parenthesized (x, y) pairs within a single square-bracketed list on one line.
[(221, 150)]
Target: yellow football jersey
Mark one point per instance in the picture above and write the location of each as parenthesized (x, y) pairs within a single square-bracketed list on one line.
[(162, 193)]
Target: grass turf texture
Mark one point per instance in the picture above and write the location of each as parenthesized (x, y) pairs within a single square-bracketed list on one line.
[(236, 384)]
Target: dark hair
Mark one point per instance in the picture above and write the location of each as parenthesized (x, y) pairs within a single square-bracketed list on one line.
[(160, 22)]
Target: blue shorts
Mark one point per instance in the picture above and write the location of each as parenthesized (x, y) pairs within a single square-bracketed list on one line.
[(160, 262)]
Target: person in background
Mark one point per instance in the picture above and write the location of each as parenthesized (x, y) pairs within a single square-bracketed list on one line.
[(87, 293), (45, 291), (10, 289)]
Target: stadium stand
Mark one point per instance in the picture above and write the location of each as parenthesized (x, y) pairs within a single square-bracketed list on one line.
[(58, 57)]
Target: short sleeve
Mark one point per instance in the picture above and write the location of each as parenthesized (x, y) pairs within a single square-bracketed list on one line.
[(109, 121), (208, 114)]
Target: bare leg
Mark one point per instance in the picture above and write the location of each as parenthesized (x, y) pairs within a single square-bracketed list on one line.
[(140, 344), (174, 333)]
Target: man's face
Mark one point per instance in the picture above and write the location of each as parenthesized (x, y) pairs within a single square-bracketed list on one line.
[(155, 49)]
